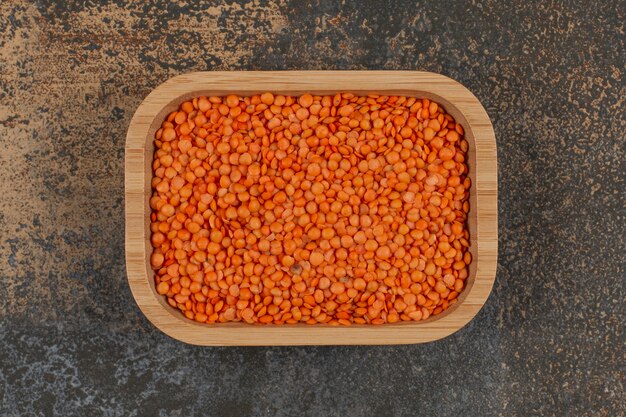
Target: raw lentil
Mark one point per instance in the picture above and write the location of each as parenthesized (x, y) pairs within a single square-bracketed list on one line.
[(316, 209)]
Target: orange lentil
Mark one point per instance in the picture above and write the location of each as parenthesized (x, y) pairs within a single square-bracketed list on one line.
[(335, 209)]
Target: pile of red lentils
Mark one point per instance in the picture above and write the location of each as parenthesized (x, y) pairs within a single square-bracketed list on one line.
[(313, 209)]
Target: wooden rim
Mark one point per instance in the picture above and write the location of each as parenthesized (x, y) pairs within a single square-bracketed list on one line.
[(483, 220)]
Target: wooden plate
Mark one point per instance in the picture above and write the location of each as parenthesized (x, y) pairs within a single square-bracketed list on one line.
[(483, 216)]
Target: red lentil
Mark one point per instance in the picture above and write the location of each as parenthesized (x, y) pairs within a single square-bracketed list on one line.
[(317, 209)]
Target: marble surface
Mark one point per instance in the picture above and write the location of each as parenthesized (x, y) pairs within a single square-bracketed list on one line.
[(550, 340)]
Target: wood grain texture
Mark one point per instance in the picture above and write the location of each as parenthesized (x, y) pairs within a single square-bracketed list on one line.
[(483, 220)]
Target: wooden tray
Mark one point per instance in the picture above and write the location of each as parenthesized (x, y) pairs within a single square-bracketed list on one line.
[(483, 220)]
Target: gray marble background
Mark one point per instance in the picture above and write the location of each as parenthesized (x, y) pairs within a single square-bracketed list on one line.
[(550, 340)]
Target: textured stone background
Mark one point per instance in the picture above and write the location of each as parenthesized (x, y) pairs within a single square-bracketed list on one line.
[(550, 340)]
